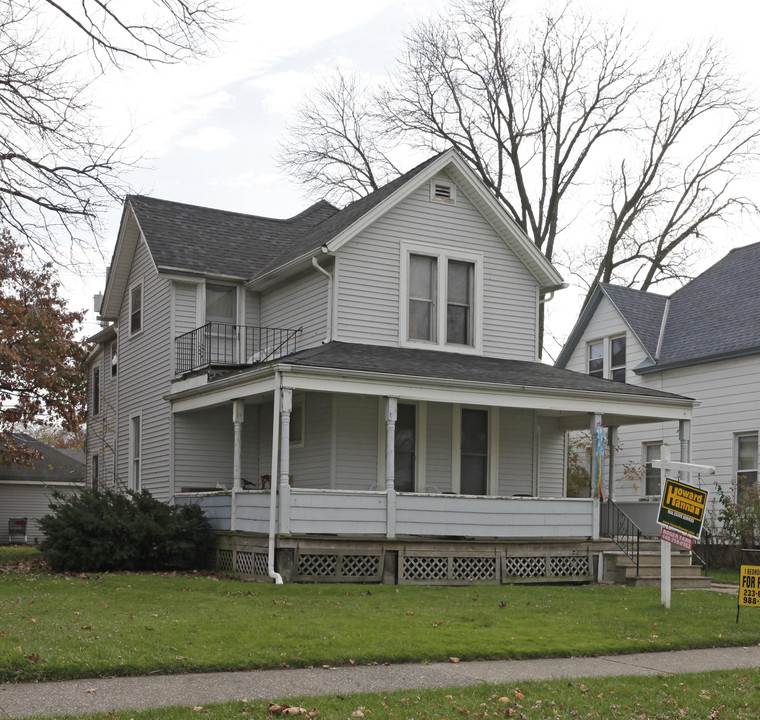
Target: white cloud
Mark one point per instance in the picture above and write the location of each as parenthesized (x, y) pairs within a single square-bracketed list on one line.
[(208, 138)]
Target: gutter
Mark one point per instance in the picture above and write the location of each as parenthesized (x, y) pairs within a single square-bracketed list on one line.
[(273, 480), (317, 266)]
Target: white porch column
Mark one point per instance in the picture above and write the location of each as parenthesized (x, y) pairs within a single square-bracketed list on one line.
[(237, 423), (286, 407), (391, 414), (684, 435)]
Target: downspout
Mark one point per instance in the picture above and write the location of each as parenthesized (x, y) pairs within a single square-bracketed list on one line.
[(329, 295), (273, 478)]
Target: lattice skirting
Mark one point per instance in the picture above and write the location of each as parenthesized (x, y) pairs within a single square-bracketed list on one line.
[(550, 568), (248, 562), (338, 567)]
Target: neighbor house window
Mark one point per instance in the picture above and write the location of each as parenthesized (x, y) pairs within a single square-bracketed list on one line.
[(135, 453), (135, 309), (95, 391), (606, 358), (652, 451), (746, 462), (442, 299)]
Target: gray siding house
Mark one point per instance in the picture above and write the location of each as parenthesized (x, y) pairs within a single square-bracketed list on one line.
[(353, 394), (702, 341)]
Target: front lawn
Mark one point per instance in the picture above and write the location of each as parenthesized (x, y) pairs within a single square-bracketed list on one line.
[(55, 627)]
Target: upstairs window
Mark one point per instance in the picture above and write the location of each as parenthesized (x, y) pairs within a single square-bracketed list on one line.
[(95, 391), (746, 462), (135, 309), (113, 358), (606, 358), (442, 300)]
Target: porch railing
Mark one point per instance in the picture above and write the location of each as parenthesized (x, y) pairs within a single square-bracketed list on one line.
[(617, 526), (224, 344)]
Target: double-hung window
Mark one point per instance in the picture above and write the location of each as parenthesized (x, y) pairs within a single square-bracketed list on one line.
[(135, 309), (652, 451), (442, 299), (606, 358), (95, 391), (746, 462)]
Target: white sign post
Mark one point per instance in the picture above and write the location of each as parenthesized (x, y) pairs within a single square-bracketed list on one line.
[(665, 464)]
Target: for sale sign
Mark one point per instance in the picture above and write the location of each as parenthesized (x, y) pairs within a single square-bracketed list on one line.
[(749, 586), (682, 507)]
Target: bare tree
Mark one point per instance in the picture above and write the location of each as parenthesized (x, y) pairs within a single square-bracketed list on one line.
[(335, 146), (57, 169), (540, 107)]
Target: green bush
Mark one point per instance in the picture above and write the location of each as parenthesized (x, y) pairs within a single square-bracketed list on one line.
[(102, 530)]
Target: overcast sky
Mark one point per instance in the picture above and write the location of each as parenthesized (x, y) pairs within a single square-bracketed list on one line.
[(208, 132)]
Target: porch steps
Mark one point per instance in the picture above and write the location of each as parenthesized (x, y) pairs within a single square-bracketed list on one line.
[(621, 570)]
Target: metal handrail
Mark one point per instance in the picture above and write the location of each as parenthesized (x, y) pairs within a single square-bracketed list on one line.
[(226, 344), (622, 531)]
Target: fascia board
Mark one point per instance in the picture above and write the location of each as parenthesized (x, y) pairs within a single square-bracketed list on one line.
[(745, 352)]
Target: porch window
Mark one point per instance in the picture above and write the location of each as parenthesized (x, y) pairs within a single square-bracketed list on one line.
[(443, 296), (405, 448), (652, 451), (746, 462), (135, 309), (474, 452)]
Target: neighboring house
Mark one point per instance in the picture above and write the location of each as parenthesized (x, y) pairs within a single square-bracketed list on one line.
[(702, 341), (25, 492), (375, 366)]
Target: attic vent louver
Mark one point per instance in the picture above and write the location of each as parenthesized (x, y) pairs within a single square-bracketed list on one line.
[(443, 192)]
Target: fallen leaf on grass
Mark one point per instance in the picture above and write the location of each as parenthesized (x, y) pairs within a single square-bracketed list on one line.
[(86, 627), (33, 658), (454, 659), (286, 709)]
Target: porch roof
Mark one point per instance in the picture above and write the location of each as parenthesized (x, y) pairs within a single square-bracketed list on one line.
[(444, 377)]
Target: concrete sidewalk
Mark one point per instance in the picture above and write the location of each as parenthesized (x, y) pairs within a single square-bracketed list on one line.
[(139, 693)]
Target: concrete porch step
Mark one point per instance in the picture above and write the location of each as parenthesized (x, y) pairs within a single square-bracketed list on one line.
[(677, 582)]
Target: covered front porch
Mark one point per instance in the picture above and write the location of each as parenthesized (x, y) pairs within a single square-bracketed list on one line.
[(442, 449)]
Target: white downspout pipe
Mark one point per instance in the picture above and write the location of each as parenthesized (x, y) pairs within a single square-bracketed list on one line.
[(329, 298), (273, 478)]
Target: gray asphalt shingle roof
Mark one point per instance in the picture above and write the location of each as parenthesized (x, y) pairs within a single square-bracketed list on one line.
[(54, 465), (190, 238), (412, 362), (642, 310)]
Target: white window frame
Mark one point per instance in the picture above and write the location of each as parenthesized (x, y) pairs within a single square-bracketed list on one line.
[(442, 256), (644, 447), (135, 460), (737, 436), (132, 288), (96, 391), (492, 458), (606, 343)]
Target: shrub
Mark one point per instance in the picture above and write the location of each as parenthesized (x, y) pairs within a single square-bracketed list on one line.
[(101, 530)]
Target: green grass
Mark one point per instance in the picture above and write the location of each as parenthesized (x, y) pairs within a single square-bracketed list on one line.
[(55, 627), (721, 575), (18, 553), (724, 695)]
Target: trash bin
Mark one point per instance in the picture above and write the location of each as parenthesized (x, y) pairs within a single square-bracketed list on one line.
[(17, 530)]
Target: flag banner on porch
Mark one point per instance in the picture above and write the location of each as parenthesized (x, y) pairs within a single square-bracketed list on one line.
[(600, 440)]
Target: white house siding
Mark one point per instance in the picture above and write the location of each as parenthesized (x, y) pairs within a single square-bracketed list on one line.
[(551, 472), (300, 302), (101, 428), (438, 459), (368, 275), (356, 451), (310, 464), (203, 447), (30, 500), (252, 308), (145, 366), (515, 452)]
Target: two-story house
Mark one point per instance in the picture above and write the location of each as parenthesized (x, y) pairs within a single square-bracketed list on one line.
[(702, 341), (353, 394)]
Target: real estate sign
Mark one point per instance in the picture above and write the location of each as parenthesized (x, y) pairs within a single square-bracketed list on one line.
[(749, 586), (682, 507)]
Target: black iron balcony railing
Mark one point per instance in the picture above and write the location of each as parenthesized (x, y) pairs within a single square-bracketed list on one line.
[(224, 344)]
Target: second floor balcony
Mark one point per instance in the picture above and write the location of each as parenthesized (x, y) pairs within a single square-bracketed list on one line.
[(222, 344)]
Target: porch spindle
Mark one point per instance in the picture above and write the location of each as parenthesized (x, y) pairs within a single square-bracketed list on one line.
[(391, 414), (286, 408)]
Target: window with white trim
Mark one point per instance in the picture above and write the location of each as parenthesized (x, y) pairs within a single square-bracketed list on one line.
[(95, 391), (135, 453), (606, 358), (651, 451), (136, 308), (745, 462), (473, 456), (442, 300), (95, 471), (405, 448)]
